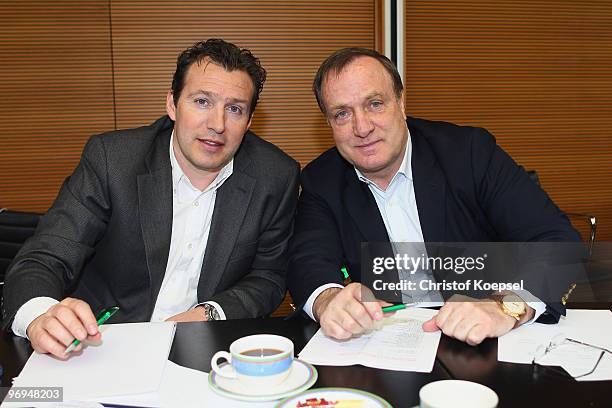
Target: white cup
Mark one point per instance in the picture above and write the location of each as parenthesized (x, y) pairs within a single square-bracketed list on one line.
[(260, 360), (457, 394)]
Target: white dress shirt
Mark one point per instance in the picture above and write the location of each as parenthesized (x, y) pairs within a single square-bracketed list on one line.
[(398, 208), (191, 218)]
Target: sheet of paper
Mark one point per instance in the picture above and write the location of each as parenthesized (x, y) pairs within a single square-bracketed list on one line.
[(130, 359), (590, 326), (396, 343), (186, 388)]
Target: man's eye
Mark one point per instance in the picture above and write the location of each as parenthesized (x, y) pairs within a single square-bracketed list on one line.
[(202, 102), (234, 109), (341, 115), (376, 104)]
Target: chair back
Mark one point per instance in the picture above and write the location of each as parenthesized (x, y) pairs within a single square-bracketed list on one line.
[(15, 228)]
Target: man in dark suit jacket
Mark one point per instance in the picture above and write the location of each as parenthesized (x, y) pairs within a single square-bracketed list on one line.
[(452, 184), (185, 219)]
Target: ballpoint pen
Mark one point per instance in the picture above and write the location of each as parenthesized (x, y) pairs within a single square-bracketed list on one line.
[(400, 306), (102, 317), (346, 279)]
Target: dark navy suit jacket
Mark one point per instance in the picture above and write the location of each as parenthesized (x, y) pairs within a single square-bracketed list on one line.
[(467, 190)]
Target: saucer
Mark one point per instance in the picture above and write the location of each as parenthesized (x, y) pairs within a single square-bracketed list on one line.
[(330, 397), (302, 377)]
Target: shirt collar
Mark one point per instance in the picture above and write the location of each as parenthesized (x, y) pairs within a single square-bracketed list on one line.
[(178, 176), (405, 167)]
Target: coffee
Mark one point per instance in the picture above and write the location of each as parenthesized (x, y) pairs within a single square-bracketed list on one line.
[(261, 352), (260, 360)]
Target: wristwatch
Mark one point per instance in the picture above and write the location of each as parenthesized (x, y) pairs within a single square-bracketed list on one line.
[(511, 304), (210, 312)]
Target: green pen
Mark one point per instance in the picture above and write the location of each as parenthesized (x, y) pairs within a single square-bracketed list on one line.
[(346, 279), (393, 308), (102, 317)]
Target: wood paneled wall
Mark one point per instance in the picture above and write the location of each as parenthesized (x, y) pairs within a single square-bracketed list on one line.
[(291, 39), (72, 68), (537, 74), (56, 82)]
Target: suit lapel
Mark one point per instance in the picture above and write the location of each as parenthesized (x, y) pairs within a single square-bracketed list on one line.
[(155, 209), (361, 206), (429, 189), (231, 204)]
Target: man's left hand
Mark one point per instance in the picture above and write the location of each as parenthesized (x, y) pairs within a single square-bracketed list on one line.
[(194, 315), (472, 320)]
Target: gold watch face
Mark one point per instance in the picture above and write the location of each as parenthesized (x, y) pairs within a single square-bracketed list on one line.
[(514, 304)]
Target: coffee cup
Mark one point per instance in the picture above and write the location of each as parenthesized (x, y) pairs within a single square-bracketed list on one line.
[(457, 394), (260, 359)]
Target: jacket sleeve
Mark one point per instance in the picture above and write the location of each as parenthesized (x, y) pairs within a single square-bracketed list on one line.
[(50, 262), (315, 255), (521, 211)]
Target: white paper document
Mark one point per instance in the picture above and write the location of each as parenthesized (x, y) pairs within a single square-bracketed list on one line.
[(396, 343), (186, 388), (589, 326), (130, 359)]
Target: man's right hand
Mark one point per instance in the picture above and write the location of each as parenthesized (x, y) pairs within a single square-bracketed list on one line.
[(55, 329), (342, 314)]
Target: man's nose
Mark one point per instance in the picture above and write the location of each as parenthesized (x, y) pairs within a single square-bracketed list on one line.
[(362, 125), (216, 120)]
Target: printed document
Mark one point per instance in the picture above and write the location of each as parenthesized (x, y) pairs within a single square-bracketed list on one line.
[(396, 343)]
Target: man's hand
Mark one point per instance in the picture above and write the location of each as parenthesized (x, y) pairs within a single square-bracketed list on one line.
[(194, 315), (54, 330), (473, 320), (342, 313)]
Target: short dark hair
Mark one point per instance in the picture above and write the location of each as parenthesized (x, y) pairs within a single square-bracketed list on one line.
[(224, 54), (336, 62)]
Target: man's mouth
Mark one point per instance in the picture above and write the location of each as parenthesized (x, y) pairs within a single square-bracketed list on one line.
[(368, 144), (211, 145)]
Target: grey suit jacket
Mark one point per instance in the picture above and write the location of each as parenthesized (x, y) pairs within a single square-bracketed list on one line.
[(106, 238)]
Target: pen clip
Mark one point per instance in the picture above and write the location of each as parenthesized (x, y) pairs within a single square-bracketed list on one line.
[(106, 314)]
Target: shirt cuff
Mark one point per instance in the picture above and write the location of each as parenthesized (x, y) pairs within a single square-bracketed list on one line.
[(311, 299), (29, 311), (217, 307), (534, 302)]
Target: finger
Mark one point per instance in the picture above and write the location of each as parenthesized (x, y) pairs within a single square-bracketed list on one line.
[(67, 318), (449, 326), (476, 335), (85, 315), (463, 328), (373, 310), (58, 331), (363, 294), (356, 321), (335, 330), (430, 325), (368, 301), (45, 343), (443, 314)]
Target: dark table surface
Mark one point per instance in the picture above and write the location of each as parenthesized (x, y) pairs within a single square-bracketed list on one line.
[(517, 385)]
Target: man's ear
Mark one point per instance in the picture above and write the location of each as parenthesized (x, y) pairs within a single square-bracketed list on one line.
[(170, 108), (403, 103)]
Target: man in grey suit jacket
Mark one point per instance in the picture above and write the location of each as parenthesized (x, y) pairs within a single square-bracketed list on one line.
[(185, 219)]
